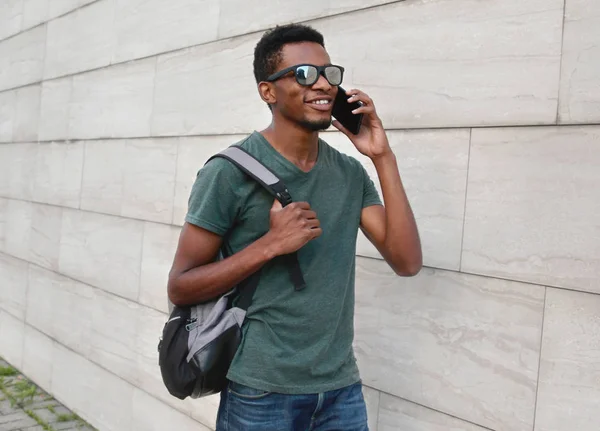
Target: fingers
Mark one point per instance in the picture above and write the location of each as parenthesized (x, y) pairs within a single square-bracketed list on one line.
[(359, 96), (356, 95), (313, 223), (364, 110), (276, 205), (300, 205), (309, 214), (295, 205), (317, 232)]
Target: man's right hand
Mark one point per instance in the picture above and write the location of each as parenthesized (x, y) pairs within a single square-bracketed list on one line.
[(292, 227), (197, 275)]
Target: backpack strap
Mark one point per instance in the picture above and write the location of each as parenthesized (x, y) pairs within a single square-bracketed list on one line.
[(259, 172), (274, 185)]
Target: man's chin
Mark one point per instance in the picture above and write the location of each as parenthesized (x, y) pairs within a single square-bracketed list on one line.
[(316, 125)]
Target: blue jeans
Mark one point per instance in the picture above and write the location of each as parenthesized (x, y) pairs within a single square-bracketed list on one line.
[(246, 409)]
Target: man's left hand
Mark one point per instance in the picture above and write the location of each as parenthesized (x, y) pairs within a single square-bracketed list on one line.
[(371, 140)]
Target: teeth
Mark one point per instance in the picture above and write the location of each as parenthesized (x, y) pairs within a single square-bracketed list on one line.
[(321, 102)]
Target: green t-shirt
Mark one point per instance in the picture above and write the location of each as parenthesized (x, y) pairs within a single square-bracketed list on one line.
[(294, 342)]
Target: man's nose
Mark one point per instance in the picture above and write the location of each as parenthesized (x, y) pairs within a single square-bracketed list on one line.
[(322, 83)]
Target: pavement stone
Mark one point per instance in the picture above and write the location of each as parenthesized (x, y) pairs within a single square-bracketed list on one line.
[(67, 426), (44, 404), (5, 407), (62, 410), (16, 421), (45, 415)]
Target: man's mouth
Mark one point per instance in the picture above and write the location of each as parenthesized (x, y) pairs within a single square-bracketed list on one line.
[(320, 104)]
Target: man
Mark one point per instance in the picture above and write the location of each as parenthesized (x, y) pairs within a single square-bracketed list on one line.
[(295, 368)]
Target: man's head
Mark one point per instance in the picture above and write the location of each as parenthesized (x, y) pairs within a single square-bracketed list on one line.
[(302, 95)]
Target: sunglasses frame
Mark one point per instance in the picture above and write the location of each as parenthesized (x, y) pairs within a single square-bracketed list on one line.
[(320, 71)]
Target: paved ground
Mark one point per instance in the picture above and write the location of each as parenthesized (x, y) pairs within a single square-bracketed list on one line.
[(26, 407)]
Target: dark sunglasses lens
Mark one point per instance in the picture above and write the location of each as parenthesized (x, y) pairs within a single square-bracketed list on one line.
[(333, 75), (306, 75)]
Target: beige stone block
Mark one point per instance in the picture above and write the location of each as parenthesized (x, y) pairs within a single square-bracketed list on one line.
[(150, 414), (160, 244), (531, 205), (111, 405), (580, 81), (103, 176), (149, 325), (45, 236), (149, 179), (18, 229), (54, 110), (35, 12), (194, 152), (13, 279), (27, 114), (569, 389), (8, 104), (150, 27), (11, 17), (433, 167), (12, 331), (38, 352), (101, 398), (461, 63), (42, 286), (58, 172), (372, 400), (464, 345), (241, 17), (133, 178), (75, 302), (114, 102), (205, 411), (103, 251), (398, 414), (209, 89), (3, 221), (80, 41), (67, 385), (113, 336), (60, 7), (22, 58), (17, 161), (61, 308)]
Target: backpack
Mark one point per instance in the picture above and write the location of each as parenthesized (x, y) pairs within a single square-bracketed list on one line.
[(199, 342)]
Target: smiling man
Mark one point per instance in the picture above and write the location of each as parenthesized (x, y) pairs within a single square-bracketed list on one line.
[(295, 368)]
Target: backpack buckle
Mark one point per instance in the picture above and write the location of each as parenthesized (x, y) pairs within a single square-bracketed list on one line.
[(191, 324), (284, 197)]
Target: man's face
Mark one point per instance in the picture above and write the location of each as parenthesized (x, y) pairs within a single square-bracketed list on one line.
[(297, 102)]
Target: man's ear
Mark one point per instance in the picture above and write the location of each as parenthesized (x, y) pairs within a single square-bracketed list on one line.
[(267, 92)]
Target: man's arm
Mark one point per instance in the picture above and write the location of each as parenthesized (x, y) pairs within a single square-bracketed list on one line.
[(195, 277), (392, 229)]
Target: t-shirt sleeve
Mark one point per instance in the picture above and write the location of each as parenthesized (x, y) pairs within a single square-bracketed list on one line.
[(213, 204), (370, 193)]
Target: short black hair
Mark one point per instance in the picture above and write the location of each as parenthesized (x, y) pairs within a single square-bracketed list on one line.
[(267, 54)]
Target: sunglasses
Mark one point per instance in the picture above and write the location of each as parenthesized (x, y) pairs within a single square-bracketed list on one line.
[(307, 74)]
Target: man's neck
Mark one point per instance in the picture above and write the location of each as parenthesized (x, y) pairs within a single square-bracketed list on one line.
[(295, 143)]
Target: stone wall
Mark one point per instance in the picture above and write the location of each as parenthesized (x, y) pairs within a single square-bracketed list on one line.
[(108, 108)]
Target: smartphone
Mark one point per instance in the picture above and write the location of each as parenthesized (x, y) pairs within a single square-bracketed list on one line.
[(342, 111)]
